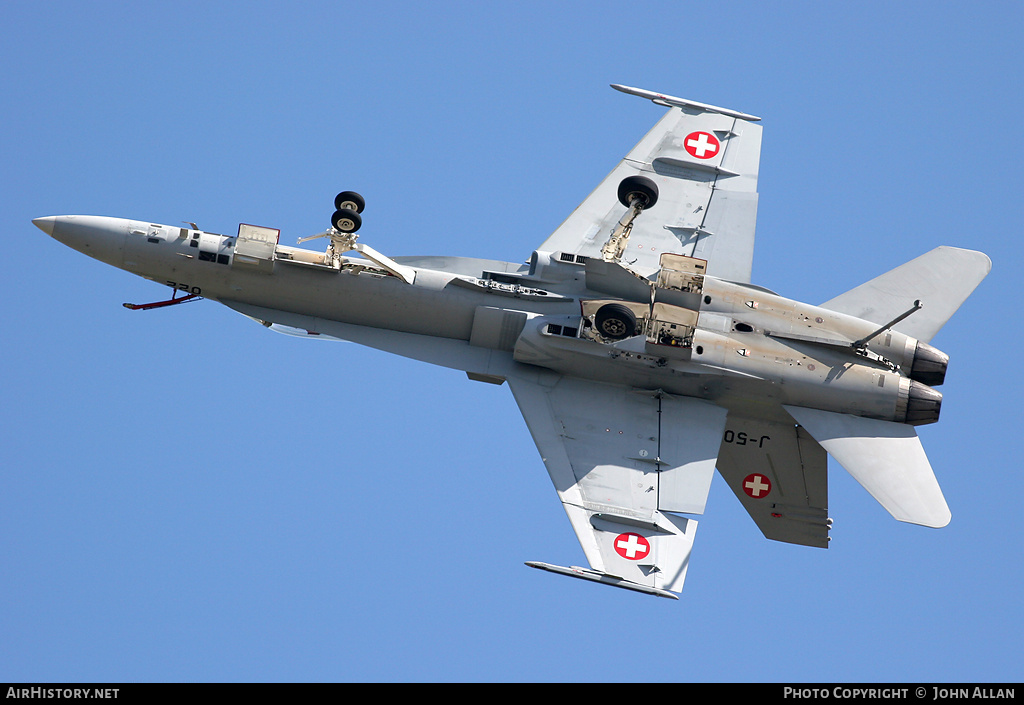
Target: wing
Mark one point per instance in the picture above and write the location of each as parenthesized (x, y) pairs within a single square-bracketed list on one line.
[(620, 459), (780, 475), (705, 162)]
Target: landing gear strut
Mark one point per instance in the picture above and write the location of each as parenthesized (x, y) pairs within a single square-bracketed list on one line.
[(637, 193), (344, 224)]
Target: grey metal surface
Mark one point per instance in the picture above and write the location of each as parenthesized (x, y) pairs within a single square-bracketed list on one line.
[(638, 373)]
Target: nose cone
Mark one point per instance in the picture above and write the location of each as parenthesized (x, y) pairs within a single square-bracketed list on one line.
[(46, 224), (97, 236)]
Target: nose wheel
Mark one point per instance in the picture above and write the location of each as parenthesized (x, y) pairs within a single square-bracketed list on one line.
[(347, 207), (349, 200), (346, 220), (344, 224)]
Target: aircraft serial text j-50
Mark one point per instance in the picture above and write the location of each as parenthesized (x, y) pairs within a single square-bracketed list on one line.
[(633, 341)]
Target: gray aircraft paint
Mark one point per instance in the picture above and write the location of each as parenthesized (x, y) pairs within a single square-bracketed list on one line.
[(719, 371)]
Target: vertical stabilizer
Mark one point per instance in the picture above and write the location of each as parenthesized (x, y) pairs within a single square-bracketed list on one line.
[(941, 279), (886, 458)]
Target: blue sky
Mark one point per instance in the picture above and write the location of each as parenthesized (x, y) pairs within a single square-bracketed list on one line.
[(188, 497)]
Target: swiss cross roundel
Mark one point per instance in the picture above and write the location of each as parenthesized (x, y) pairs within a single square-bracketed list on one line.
[(702, 145), (632, 546), (757, 485)]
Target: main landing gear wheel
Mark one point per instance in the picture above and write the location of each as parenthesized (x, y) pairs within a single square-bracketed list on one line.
[(346, 220), (638, 189), (615, 321), (350, 200)]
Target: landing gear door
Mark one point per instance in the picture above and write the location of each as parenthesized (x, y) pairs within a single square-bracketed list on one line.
[(672, 325), (681, 280), (255, 247)]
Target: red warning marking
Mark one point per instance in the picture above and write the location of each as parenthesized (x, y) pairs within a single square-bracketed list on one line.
[(632, 546), (757, 486), (702, 145)]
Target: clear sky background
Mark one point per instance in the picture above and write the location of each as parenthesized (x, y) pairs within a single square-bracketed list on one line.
[(186, 496)]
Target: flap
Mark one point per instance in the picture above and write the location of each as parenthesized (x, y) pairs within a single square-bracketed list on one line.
[(691, 433)]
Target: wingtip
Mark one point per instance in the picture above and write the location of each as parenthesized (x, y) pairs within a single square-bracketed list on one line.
[(674, 102), (603, 578)]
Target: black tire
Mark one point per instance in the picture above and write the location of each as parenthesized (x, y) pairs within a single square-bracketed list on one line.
[(638, 187), (615, 322), (346, 220), (350, 200)]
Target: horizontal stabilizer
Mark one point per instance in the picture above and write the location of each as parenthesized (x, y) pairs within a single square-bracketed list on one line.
[(941, 279), (886, 458), (780, 476)]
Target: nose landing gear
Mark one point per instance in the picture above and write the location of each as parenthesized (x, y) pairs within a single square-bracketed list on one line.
[(344, 223), (348, 205)]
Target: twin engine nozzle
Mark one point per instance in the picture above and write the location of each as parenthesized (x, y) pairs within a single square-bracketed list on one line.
[(927, 370), (923, 404), (929, 365)]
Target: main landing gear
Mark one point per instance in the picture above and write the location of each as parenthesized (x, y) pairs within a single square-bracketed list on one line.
[(637, 193), (615, 322)]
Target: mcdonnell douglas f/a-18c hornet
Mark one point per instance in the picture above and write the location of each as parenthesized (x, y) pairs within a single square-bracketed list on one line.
[(638, 350)]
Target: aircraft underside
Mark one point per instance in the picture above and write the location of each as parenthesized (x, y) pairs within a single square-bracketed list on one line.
[(640, 354)]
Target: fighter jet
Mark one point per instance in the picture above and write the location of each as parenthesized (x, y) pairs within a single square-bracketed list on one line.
[(639, 352)]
